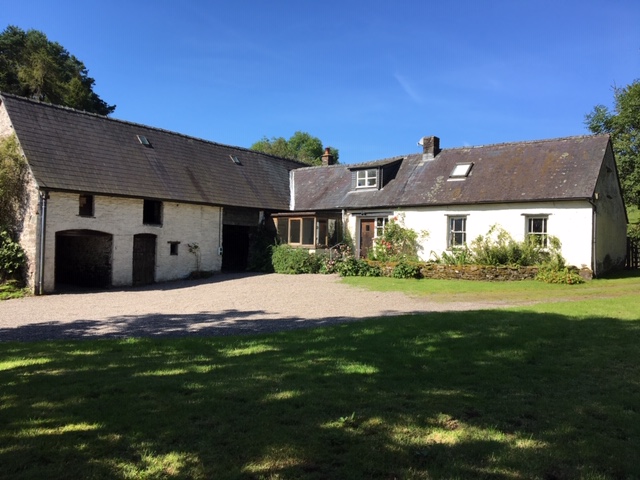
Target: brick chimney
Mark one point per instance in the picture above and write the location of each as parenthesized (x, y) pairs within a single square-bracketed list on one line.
[(430, 147), (327, 157)]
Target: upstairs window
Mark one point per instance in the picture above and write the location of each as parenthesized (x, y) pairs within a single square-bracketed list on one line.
[(457, 232), (85, 205), (537, 230), (367, 178), (152, 212)]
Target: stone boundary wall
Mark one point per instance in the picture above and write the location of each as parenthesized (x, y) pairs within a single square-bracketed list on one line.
[(478, 272)]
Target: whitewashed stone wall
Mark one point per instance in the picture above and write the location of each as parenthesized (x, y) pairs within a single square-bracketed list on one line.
[(571, 222), (122, 218)]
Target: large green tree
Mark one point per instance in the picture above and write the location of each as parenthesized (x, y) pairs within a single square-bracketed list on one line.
[(301, 146), (623, 124), (32, 66)]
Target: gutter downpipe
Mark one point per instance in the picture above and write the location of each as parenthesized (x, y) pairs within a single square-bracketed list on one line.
[(43, 230), (594, 238)]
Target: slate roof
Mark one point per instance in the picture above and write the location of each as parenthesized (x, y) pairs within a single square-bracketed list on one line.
[(546, 170), (69, 150)]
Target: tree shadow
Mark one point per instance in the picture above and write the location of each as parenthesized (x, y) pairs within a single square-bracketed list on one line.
[(479, 394)]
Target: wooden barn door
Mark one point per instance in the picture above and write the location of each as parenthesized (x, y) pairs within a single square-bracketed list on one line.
[(367, 232), (144, 259)]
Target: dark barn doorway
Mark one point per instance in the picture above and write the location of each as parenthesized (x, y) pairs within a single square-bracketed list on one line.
[(83, 259), (144, 259), (235, 247)]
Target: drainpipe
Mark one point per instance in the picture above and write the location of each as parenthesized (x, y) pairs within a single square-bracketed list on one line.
[(594, 237), (43, 229)]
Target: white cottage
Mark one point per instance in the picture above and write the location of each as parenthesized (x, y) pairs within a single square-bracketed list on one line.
[(566, 187)]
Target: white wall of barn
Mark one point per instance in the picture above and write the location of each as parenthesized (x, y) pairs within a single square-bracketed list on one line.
[(122, 218)]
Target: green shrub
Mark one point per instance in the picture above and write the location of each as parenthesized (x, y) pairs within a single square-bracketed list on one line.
[(261, 242), (396, 243), (12, 257), (286, 259), (497, 247), (457, 256), (406, 270), (553, 273), (355, 267)]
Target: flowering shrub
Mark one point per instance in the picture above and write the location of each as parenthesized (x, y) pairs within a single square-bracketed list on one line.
[(397, 243)]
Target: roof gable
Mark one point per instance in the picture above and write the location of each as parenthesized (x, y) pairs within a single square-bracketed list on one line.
[(76, 151)]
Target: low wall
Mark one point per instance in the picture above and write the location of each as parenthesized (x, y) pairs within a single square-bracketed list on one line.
[(478, 272)]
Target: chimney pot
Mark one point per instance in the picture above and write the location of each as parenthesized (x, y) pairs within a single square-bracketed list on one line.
[(327, 157)]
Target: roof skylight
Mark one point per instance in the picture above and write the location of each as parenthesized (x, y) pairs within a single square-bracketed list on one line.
[(235, 159), (143, 140), (461, 170)]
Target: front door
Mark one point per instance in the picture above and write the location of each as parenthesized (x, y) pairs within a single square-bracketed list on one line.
[(367, 232), (144, 259)]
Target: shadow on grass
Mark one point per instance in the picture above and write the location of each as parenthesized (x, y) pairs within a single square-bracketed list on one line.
[(483, 394)]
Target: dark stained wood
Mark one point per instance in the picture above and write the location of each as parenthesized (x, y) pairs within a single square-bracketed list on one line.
[(144, 259)]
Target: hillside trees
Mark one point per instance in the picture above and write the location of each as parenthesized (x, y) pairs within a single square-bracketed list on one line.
[(34, 67)]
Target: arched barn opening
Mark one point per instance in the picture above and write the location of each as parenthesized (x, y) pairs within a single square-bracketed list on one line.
[(83, 258)]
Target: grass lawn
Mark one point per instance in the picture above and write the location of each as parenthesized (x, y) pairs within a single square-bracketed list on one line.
[(543, 391)]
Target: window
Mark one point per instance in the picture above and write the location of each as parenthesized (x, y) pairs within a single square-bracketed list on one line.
[(537, 229), (461, 170), (381, 223), (367, 178), (301, 231), (173, 248), (85, 204), (294, 230), (457, 232), (152, 212), (307, 231)]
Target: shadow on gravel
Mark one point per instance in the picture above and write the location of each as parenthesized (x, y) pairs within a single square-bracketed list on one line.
[(63, 289), (157, 325)]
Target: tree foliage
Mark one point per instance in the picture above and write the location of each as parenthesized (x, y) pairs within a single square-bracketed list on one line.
[(12, 187), (34, 67), (623, 124), (301, 146)]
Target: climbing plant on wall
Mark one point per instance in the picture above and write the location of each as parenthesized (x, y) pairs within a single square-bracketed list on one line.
[(12, 188)]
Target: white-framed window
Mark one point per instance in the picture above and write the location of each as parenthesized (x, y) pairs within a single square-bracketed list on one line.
[(537, 228), (381, 224), (457, 232), (367, 178)]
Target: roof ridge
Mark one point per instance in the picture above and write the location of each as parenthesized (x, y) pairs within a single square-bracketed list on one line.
[(136, 124), (524, 142)]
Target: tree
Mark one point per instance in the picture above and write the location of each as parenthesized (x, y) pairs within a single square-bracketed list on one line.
[(34, 67), (623, 124), (301, 146)]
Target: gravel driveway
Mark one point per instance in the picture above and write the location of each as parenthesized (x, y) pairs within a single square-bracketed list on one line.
[(226, 304)]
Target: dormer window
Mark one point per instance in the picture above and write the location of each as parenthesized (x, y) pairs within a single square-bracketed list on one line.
[(367, 178)]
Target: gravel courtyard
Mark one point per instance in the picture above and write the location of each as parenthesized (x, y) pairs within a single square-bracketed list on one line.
[(226, 304)]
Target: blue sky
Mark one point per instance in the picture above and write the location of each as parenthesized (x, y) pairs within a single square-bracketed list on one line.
[(368, 78)]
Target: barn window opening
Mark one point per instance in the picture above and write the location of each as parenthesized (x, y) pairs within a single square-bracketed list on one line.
[(85, 205), (152, 212), (173, 248)]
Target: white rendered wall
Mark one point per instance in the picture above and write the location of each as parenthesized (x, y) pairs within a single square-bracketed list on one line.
[(122, 218), (570, 222)]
